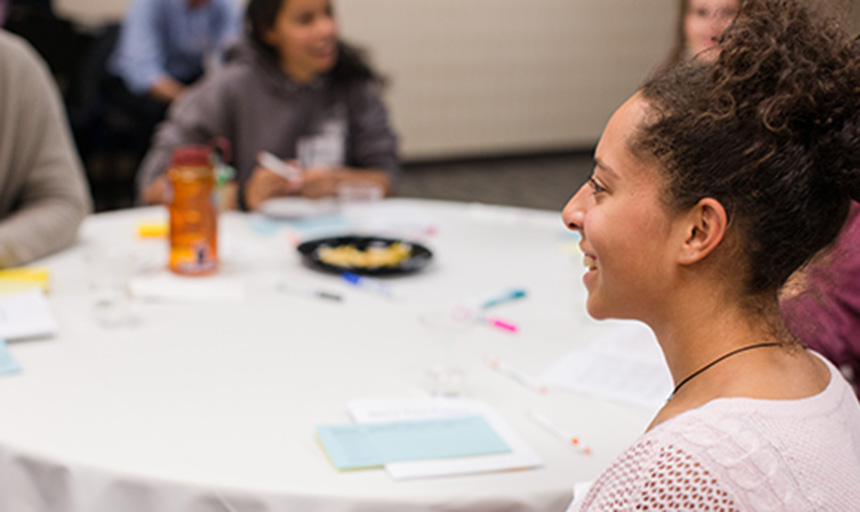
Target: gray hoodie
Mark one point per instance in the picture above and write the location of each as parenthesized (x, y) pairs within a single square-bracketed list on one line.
[(253, 104)]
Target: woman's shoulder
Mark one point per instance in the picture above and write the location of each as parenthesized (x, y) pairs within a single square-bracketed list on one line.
[(225, 86), (702, 466), (747, 454), (245, 66), (658, 473), (836, 400), (759, 450), (359, 95)]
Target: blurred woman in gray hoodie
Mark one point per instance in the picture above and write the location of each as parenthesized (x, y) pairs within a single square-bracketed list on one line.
[(289, 87)]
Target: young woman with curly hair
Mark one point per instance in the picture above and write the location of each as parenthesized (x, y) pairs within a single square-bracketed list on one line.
[(712, 185)]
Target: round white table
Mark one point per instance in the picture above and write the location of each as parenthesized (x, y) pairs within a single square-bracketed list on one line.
[(212, 405)]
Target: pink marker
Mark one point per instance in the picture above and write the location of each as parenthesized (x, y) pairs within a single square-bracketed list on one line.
[(501, 324)]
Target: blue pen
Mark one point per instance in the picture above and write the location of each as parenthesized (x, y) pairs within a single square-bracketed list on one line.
[(368, 284), (508, 295)]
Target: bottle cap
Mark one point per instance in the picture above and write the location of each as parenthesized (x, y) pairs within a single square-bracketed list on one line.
[(193, 155)]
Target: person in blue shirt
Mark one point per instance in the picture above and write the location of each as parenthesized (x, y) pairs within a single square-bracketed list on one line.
[(162, 47), (164, 44)]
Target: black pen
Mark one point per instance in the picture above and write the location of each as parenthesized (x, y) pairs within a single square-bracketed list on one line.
[(304, 289)]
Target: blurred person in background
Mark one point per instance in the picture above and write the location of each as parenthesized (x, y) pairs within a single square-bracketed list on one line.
[(163, 46), (289, 82), (43, 192), (700, 24), (821, 303)]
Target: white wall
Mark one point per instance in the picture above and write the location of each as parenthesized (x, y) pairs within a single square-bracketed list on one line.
[(488, 76), (481, 77)]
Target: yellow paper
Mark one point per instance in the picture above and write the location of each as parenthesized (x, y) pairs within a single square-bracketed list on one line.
[(152, 229), (13, 280)]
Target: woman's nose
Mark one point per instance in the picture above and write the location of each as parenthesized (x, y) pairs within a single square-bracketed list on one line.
[(573, 214), (327, 27), (720, 22)]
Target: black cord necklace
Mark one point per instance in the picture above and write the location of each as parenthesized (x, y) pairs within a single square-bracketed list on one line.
[(717, 360)]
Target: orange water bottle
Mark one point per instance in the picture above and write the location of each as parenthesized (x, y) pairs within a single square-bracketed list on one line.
[(193, 212)]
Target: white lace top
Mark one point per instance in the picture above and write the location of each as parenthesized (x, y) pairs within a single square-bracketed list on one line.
[(738, 454)]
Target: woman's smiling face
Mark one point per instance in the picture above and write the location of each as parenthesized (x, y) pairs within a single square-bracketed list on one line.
[(626, 229), (305, 36)]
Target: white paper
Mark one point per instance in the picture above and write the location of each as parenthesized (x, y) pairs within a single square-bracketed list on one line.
[(395, 219), (26, 315), (298, 207), (168, 287), (370, 410), (625, 365)]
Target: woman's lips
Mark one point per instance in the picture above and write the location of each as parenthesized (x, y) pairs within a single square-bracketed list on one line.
[(590, 261)]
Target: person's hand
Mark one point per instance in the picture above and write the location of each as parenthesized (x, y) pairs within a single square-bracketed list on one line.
[(166, 89), (265, 184), (155, 191), (228, 196), (317, 183)]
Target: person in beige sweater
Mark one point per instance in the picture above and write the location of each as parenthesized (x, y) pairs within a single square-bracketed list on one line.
[(43, 192)]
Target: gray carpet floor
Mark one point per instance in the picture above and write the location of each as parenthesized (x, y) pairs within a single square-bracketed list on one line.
[(544, 182)]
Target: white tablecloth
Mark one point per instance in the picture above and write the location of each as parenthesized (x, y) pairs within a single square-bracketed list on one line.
[(212, 406)]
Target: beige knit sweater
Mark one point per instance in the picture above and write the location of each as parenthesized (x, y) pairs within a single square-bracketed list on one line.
[(43, 191)]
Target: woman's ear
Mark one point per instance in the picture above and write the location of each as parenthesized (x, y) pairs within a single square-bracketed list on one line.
[(704, 228)]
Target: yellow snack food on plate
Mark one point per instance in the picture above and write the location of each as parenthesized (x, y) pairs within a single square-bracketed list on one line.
[(350, 256)]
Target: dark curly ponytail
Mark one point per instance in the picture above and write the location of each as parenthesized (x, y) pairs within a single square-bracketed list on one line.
[(771, 130)]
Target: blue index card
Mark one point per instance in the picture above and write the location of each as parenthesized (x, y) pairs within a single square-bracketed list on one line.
[(8, 364), (369, 445)]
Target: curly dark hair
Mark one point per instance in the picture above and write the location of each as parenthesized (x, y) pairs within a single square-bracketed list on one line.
[(351, 65), (771, 130)]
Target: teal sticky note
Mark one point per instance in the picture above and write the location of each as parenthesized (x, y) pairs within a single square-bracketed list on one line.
[(375, 444), (8, 364)]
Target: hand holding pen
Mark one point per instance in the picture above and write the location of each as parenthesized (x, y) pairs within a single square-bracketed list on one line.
[(288, 171), (272, 178)]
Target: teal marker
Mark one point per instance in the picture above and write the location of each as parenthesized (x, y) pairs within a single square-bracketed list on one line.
[(509, 295)]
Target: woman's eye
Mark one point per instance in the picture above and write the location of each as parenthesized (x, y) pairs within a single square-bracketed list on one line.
[(596, 186)]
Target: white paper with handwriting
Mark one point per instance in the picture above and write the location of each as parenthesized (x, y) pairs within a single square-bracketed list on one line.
[(625, 365)]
